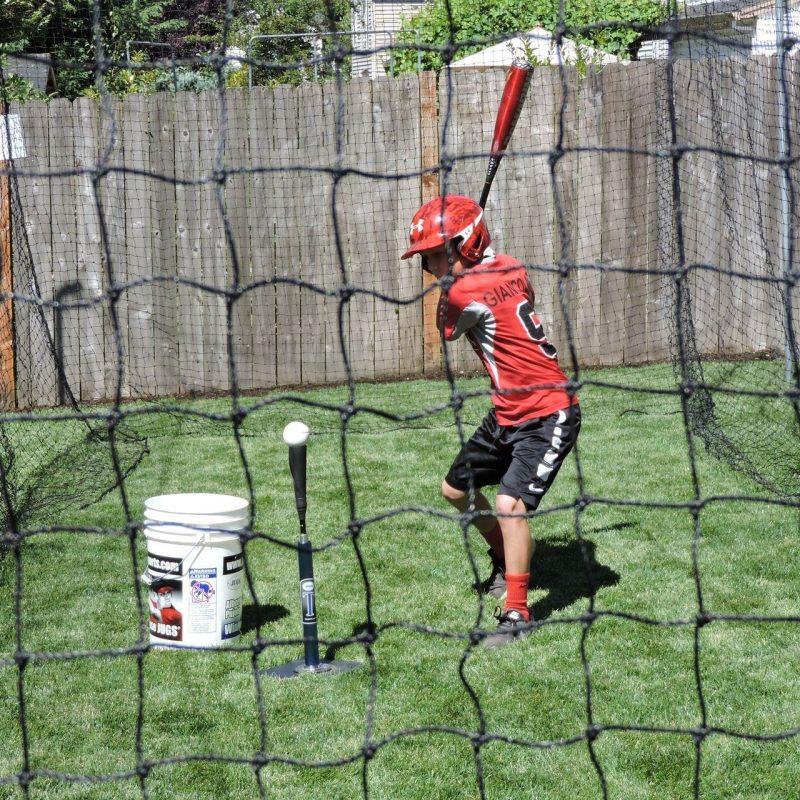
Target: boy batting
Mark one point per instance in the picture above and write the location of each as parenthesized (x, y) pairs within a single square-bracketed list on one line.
[(534, 423)]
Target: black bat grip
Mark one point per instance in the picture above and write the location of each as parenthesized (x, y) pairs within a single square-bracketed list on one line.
[(491, 171)]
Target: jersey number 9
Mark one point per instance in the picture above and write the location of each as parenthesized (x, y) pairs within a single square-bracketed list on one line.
[(533, 327)]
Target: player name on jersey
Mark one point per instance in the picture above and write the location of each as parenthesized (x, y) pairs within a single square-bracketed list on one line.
[(505, 291)]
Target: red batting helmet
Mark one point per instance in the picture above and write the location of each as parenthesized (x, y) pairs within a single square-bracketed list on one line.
[(455, 218)]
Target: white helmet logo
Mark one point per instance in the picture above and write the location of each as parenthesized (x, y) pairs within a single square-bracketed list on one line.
[(416, 226), (467, 232)]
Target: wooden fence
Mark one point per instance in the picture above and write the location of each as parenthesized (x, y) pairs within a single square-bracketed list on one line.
[(188, 237)]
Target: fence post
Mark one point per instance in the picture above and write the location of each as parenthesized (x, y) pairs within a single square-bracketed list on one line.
[(11, 146), (7, 390)]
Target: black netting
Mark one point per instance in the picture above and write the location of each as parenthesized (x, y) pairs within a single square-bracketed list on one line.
[(202, 247)]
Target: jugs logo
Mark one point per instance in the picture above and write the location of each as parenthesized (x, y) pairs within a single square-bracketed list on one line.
[(202, 592)]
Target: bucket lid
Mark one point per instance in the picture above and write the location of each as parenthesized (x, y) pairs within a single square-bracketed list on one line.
[(201, 508)]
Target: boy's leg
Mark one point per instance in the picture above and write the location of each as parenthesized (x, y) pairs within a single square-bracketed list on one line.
[(539, 451), (486, 524), (513, 621), (489, 528), (519, 551), (481, 463), (516, 531)]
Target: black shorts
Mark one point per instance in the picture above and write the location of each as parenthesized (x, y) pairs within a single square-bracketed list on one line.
[(521, 460)]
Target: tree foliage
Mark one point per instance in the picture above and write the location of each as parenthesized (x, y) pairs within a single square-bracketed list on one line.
[(66, 30), (452, 29), (151, 45), (290, 58)]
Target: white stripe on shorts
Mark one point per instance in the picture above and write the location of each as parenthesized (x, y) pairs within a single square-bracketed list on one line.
[(546, 467)]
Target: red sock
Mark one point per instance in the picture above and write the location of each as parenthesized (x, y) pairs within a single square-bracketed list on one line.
[(494, 538), (517, 596)]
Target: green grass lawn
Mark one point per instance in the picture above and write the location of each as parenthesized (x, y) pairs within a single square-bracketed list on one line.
[(430, 714)]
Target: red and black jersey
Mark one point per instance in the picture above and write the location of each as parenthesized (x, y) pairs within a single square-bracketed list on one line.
[(492, 303)]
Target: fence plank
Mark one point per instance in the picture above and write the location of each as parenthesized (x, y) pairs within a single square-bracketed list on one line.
[(289, 321), (701, 212), (64, 222), (91, 347), (730, 123), (386, 125), (762, 195), (138, 302), (188, 220), (33, 268), (14, 262), (640, 169), (261, 222), (164, 379), (337, 314), (429, 188), (615, 213), (406, 118), (315, 228), (561, 326), (329, 274), (588, 193), (357, 227), (661, 247), (790, 340), (214, 260), (537, 135), (111, 204), (237, 199)]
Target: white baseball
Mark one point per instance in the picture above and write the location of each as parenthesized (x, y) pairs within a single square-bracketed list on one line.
[(296, 433)]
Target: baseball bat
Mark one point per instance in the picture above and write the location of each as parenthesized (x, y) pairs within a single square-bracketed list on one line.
[(517, 82)]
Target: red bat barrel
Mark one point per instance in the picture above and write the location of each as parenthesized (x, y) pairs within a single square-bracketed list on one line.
[(511, 103)]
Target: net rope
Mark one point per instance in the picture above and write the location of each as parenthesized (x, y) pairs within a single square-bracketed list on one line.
[(708, 171)]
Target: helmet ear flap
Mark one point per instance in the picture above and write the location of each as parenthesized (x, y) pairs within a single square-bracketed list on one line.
[(473, 246)]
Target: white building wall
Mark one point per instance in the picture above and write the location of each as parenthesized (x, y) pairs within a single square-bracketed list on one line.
[(380, 21), (765, 41), (751, 31)]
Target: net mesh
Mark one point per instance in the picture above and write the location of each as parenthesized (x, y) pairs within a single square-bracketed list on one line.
[(237, 240)]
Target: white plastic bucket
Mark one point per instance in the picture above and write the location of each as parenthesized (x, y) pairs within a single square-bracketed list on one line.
[(195, 568)]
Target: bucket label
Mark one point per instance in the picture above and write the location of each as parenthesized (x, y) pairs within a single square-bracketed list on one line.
[(166, 619), (164, 564), (232, 624), (232, 564), (203, 600)]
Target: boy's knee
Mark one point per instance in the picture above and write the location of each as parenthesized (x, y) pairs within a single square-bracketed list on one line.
[(505, 504), (451, 494)]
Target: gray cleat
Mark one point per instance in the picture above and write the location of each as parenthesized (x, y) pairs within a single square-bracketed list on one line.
[(495, 584), (511, 626)]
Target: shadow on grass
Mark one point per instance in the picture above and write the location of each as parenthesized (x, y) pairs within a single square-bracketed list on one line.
[(333, 649), (254, 616), (567, 572)]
